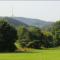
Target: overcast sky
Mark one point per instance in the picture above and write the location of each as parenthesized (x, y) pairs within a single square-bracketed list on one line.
[(45, 10)]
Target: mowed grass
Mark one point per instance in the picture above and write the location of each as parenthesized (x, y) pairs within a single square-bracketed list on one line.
[(35, 55)]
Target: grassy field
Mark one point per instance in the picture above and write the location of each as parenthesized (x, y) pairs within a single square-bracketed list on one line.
[(35, 55)]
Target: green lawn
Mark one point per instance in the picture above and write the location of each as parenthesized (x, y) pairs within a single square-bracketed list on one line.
[(36, 55)]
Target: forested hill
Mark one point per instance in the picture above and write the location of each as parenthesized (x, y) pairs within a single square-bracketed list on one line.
[(12, 21), (27, 21), (53, 27), (33, 22)]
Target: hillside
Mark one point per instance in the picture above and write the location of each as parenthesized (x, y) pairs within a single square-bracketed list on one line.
[(16, 21), (33, 22)]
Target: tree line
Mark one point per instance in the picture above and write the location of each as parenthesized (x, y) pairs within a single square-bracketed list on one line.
[(28, 37), (34, 37)]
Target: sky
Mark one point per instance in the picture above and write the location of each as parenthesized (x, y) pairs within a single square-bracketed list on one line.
[(44, 10)]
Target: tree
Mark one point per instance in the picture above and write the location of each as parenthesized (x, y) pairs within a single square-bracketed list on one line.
[(8, 36), (23, 36), (36, 37), (56, 33), (48, 40)]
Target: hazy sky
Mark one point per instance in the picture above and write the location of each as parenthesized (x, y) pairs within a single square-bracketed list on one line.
[(45, 10)]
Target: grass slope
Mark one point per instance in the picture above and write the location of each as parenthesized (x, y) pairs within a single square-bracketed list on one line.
[(36, 55)]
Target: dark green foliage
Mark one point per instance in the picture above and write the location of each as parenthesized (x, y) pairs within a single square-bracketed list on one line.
[(34, 37), (23, 35), (30, 37), (48, 40), (56, 32), (8, 36)]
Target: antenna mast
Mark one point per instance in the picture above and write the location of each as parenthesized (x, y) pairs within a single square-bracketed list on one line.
[(12, 12)]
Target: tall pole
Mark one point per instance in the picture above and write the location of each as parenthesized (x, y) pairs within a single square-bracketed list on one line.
[(12, 12)]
